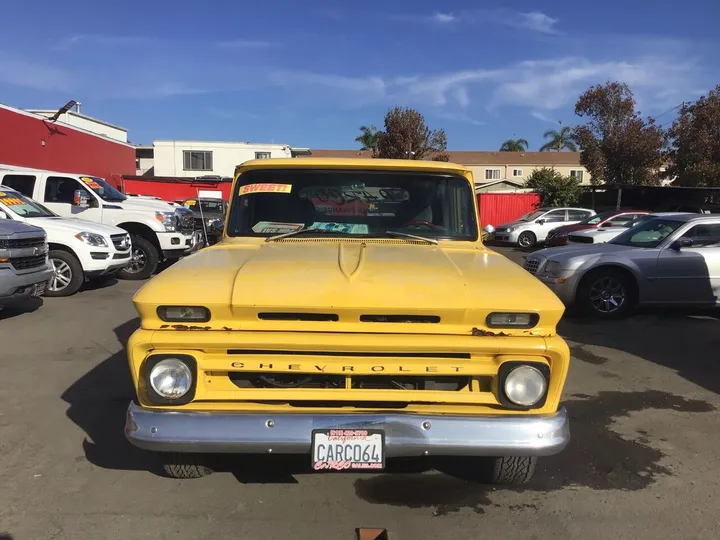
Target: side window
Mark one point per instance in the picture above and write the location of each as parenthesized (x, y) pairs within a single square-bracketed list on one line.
[(556, 216), (577, 215), (705, 236), (24, 183), (59, 189), (621, 220)]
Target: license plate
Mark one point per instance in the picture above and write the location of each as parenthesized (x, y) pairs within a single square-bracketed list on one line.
[(38, 289), (348, 449)]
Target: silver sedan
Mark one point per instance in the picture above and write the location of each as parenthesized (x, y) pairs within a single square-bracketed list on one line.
[(672, 260)]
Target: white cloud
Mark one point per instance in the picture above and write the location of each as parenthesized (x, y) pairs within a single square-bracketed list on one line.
[(540, 116), (534, 20), (104, 40), (461, 118), (444, 17), (537, 21)]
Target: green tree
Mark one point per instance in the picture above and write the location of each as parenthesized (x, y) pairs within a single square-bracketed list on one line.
[(554, 188), (559, 140), (406, 136), (368, 137), (514, 145), (694, 152), (617, 145)]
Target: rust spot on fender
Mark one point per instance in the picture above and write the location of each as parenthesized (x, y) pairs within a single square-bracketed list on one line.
[(479, 332), (185, 327)]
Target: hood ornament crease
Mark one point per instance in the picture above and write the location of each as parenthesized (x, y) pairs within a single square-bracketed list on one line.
[(350, 258)]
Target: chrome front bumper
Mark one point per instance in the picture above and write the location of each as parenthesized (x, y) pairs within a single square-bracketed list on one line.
[(406, 435)]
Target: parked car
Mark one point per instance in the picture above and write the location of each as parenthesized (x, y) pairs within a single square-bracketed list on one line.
[(353, 314), (24, 267), (664, 260), (78, 249), (605, 234), (603, 220), (533, 227), (158, 229), (209, 216), (695, 208)]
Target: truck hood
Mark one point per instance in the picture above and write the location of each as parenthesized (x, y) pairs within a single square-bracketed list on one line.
[(132, 203), (73, 226), (349, 287)]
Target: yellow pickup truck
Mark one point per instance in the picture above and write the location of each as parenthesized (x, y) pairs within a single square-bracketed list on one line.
[(350, 313)]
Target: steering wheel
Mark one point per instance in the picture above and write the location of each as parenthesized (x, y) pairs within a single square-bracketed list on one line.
[(420, 222)]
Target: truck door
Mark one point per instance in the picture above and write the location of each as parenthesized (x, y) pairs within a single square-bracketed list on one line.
[(60, 194)]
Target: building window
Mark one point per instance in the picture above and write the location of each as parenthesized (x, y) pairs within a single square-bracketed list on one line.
[(517, 172), (492, 174), (577, 175), (197, 161), (262, 155)]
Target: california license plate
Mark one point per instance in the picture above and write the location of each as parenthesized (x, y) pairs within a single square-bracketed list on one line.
[(38, 289), (348, 449)]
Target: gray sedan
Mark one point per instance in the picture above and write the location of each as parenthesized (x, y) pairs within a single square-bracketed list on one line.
[(672, 260)]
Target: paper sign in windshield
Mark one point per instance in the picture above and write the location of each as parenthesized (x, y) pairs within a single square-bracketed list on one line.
[(89, 182), (345, 228), (274, 227), (10, 201), (265, 188)]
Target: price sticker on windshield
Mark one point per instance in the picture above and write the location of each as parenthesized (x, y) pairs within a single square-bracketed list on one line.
[(10, 201), (89, 182), (265, 188)]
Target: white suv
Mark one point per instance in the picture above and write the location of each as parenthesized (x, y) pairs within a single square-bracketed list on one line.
[(533, 227)]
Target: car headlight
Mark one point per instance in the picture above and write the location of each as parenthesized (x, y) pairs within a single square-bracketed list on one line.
[(167, 219), (95, 240), (510, 229), (183, 313), (552, 267), (525, 385), (171, 378), (512, 320)]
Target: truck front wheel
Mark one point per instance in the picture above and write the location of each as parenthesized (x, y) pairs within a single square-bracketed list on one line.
[(505, 470), (144, 261), (184, 466), (67, 276)]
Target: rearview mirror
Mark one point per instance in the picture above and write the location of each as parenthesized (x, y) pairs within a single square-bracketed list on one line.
[(489, 229), (682, 242), (80, 199), (540, 221)]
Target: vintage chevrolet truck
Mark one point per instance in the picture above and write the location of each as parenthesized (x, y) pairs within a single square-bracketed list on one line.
[(351, 313)]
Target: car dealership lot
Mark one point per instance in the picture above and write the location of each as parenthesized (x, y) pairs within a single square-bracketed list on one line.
[(643, 395)]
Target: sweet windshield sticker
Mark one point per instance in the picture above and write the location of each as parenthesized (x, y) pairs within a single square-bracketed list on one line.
[(89, 182), (274, 227), (265, 188), (345, 228)]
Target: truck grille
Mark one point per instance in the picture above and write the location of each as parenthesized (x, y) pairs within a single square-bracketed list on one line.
[(185, 223), (21, 243), (26, 263), (120, 241), (531, 265), (581, 239)]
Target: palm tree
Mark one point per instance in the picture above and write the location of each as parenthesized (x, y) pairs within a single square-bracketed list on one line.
[(368, 138), (514, 145), (559, 140)]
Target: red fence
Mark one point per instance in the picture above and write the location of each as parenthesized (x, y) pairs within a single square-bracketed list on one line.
[(499, 208), (172, 189)]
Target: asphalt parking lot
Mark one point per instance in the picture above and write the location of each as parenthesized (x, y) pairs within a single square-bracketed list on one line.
[(643, 395)]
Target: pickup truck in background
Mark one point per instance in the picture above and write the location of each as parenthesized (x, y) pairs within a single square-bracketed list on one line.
[(159, 230), (78, 249), (24, 267)]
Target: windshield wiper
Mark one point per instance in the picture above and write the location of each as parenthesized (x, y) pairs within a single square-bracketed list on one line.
[(412, 236), (301, 231)]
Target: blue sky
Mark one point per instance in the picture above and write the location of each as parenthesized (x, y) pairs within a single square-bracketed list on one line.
[(310, 73)]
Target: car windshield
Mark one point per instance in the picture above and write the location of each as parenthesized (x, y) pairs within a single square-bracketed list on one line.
[(22, 206), (597, 218), (637, 221), (532, 216), (648, 234), (352, 203), (104, 190)]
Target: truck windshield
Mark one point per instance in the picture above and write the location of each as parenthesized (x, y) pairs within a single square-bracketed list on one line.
[(648, 234), (104, 190), (20, 205), (352, 203)]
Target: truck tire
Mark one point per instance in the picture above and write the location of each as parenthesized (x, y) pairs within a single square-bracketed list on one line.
[(144, 262), (512, 470), (68, 274), (184, 466)]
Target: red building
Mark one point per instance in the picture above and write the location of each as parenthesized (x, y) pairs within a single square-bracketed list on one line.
[(31, 140)]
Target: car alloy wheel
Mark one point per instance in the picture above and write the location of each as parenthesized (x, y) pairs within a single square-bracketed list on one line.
[(62, 275), (138, 261), (526, 240), (608, 295)]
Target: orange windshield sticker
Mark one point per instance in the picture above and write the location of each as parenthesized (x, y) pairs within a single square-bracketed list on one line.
[(89, 182), (11, 201), (265, 188)]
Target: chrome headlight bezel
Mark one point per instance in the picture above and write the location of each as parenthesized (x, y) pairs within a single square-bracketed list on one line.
[(533, 319), (92, 239), (202, 314), (152, 362), (552, 267), (167, 220), (506, 369)]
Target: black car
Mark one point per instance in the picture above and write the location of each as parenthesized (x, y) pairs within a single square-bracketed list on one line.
[(209, 216)]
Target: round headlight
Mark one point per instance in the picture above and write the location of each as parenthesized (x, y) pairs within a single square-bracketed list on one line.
[(171, 378), (525, 386)]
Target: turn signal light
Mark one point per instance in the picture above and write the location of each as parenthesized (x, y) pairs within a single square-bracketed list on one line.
[(512, 320), (183, 313)]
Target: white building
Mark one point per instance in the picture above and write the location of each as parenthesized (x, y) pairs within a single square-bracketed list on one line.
[(204, 158), (88, 123)]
